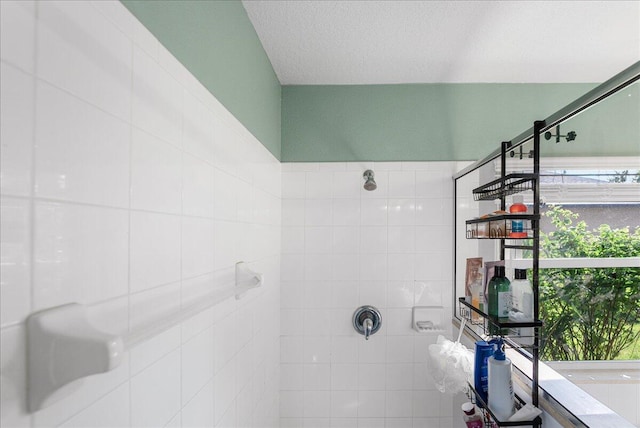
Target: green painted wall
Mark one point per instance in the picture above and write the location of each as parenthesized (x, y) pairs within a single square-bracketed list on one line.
[(609, 128), (216, 41), (412, 122)]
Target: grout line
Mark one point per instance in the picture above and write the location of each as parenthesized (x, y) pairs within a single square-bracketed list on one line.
[(32, 191), (129, 311), (82, 100), (139, 210), (181, 374), (17, 67), (97, 399), (83, 204), (142, 210), (32, 187)]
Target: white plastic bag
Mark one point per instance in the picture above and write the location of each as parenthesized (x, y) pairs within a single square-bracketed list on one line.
[(451, 365)]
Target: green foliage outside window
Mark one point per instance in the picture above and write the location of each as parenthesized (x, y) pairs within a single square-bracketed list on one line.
[(622, 177), (588, 313)]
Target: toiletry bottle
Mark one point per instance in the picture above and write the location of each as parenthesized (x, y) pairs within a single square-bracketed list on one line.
[(500, 386), (517, 226), (499, 300), (471, 418), (483, 350), (522, 306), (477, 297)]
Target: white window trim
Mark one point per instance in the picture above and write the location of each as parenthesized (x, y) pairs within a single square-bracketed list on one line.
[(582, 193), (577, 262)]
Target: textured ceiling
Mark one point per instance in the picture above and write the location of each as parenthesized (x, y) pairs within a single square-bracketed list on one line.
[(377, 42)]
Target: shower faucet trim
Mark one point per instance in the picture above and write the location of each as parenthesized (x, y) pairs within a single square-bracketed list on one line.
[(367, 320)]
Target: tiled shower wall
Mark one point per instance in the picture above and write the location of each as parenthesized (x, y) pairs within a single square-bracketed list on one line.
[(127, 187), (344, 247)]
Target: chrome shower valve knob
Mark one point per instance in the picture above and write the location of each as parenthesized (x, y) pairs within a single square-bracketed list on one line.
[(367, 321)]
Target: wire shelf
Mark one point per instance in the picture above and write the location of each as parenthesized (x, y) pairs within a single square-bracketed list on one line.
[(518, 331), (500, 227), (508, 185), (519, 402)]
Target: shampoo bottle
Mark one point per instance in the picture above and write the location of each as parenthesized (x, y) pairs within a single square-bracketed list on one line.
[(500, 386), (522, 306), (499, 299)]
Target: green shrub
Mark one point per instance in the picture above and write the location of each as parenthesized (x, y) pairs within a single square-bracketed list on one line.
[(588, 313)]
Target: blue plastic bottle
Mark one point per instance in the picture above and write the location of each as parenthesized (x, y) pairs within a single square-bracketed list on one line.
[(481, 368)]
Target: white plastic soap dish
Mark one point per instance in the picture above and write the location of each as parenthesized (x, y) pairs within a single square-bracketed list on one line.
[(427, 319)]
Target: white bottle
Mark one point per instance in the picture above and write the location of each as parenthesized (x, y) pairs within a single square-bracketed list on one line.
[(521, 307), (500, 387)]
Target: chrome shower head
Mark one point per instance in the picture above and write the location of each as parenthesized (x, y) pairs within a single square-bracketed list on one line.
[(370, 183)]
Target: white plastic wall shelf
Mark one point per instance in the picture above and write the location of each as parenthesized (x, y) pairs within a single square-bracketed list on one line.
[(63, 346), (428, 319)]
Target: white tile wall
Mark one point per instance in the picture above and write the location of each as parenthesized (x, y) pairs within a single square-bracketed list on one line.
[(15, 249), (16, 127), (344, 247), (80, 253), (67, 125), (128, 187), (102, 54)]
